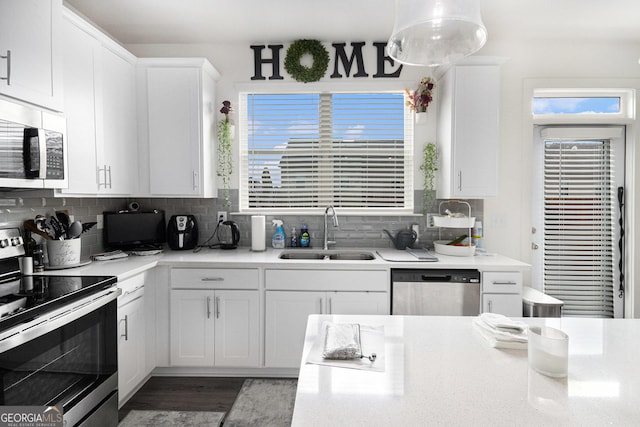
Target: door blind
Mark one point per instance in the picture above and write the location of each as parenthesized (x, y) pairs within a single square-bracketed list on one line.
[(349, 150), (579, 209)]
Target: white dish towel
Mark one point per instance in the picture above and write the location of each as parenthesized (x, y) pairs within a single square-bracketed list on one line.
[(501, 331)]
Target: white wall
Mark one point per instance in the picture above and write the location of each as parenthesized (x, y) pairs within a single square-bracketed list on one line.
[(507, 218)]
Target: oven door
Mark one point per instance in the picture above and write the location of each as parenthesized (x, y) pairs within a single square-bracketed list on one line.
[(68, 360)]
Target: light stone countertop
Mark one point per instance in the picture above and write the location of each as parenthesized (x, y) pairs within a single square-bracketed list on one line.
[(441, 371), (244, 257)]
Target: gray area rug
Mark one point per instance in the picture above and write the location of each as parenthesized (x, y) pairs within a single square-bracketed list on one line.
[(136, 418), (263, 402)]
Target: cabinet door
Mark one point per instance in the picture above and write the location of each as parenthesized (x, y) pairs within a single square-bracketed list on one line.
[(192, 328), (117, 139), (509, 305), (131, 347), (286, 324), (357, 303), (30, 30), (468, 131), (174, 123), (476, 132), (79, 49), (237, 328)]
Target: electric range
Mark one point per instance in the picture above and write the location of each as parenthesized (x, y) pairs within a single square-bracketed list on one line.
[(58, 340)]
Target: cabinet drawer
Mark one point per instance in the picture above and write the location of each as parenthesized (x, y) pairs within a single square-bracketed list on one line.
[(214, 278), (327, 280), (132, 288), (506, 282)]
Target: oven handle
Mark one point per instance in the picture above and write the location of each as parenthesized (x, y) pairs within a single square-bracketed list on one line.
[(55, 319)]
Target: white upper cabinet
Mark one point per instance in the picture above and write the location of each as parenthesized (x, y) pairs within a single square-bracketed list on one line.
[(468, 131), (100, 107), (30, 66), (177, 119)]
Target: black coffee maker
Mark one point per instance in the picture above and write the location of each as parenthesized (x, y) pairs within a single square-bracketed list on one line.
[(182, 232)]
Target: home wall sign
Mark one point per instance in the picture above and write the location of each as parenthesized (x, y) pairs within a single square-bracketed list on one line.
[(341, 61)]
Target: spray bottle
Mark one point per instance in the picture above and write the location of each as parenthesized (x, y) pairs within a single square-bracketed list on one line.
[(278, 239)]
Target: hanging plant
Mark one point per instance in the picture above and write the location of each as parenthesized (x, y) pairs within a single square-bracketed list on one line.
[(225, 159), (300, 72), (429, 167), (418, 100)]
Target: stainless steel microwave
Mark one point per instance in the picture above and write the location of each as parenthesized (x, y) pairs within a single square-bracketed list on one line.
[(32, 148)]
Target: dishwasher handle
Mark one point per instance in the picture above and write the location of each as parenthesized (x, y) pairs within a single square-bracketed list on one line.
[(435, 278)]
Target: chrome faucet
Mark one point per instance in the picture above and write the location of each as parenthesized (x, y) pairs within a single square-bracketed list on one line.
[(335, 224)]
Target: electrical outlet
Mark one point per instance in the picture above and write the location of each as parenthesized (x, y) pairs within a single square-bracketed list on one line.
[(100, 222), (222, 216), (430, 223)]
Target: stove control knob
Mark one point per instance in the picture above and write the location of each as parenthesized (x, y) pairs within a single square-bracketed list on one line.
[(16, 241), (4, 243)]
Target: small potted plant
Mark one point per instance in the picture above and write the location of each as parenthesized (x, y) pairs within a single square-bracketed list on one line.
[(225, 158), (419, 99), (429, 167)]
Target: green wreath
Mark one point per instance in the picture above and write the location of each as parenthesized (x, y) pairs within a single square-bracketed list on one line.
[(300, 72)]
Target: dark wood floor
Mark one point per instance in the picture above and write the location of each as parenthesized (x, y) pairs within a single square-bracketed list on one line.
[(185, 394)]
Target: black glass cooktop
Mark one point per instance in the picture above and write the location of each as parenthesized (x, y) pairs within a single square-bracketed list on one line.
[(27, 297)]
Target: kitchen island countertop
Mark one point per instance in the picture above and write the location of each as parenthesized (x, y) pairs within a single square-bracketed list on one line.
[(441, 371)]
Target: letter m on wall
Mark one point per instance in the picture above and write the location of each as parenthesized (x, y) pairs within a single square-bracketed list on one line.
[(347, 62)]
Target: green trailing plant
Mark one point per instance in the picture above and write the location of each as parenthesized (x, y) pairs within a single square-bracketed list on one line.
[(225, 158), (429, 167)]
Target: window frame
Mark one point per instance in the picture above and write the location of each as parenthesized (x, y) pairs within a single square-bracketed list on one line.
[(627, 106), (319, 88)]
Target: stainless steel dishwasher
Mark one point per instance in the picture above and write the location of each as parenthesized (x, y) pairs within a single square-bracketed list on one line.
[(435, 292)]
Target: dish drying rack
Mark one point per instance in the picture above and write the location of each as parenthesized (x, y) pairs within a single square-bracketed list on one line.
[(443, 221)]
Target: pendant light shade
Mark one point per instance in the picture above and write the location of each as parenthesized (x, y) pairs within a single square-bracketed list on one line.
[(436, 32)]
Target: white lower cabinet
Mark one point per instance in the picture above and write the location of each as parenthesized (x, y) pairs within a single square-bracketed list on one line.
[(287, 313), (287, 310), (131, 337), (502, 293), (214, 327)]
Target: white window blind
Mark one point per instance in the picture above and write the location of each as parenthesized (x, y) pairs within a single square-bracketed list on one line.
[(309, 150), (579, 221)]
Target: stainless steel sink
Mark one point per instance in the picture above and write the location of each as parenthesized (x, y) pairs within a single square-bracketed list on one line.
[(337, 255)]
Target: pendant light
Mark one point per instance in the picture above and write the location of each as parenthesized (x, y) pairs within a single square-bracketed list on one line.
[(436, 32)]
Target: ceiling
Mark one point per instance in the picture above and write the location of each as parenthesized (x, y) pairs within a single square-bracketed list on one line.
[(214, 21)]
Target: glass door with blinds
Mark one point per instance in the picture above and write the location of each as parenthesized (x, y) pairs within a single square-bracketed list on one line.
[(578, 205), (303, 151)]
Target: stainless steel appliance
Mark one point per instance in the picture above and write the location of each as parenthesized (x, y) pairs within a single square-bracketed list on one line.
[(228, 235), (32, 148), (435, 292), (58, 340), (182, 232)]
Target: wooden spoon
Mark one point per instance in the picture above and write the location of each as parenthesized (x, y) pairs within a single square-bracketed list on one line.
[(31, 226)]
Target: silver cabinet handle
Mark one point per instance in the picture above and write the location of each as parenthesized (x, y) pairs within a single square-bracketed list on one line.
[(105, 178), (330, 311), (8, 58), (503, 282), (208, 307), (126, 327), (490, 306), (195, 180), (212, 279), (133, 291), (217, 307), (321, 304), (460, 180)]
